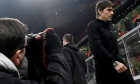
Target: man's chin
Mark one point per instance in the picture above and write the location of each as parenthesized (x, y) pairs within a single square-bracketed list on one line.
[(109, 20)]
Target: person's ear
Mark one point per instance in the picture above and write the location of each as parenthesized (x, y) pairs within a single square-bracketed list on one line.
[(16, 58), (99, 11), (64, 42)]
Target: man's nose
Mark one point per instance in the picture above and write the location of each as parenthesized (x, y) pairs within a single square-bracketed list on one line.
[(112, 12)]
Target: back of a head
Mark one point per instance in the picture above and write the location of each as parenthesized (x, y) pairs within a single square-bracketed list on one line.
[(68, 38), (101, 5), (12, 36)]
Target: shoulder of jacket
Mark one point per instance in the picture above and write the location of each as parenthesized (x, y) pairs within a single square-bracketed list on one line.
[(92, 25), (66, 49)]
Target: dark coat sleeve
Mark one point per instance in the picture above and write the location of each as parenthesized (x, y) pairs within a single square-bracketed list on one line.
[(96, 45), (58, 71)]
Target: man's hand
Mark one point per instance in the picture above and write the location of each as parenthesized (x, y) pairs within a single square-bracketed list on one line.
[(120, 68)]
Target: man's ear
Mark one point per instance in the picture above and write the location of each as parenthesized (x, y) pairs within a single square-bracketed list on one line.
[(16, 58), (99, 11), (64, 42)]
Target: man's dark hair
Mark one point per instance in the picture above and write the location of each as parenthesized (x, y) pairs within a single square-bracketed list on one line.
[(101, 5), (68, 37), (12, 36)]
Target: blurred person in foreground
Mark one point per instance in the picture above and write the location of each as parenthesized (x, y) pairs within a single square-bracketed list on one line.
[(13, 45), (12, 50), (110, 69)]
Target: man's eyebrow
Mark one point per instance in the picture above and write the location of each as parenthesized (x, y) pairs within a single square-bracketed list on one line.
[(110, 9)]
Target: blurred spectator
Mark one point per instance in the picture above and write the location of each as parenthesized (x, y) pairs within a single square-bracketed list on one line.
[(12, 51), (122, 53), (123, 56), (137, 22), (120, 30), (127, 24), (131, 51), (134, 62)]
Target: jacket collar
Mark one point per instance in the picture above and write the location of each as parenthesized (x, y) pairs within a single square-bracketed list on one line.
[(103, 22), (7, 64), (72, 46)]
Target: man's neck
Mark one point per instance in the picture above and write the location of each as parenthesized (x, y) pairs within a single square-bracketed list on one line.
[(66, 43), (102, 19)]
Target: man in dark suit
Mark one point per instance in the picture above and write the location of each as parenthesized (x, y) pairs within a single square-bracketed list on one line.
[(110, 69)]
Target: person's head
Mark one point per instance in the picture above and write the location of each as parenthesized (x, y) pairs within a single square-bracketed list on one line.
[(12, 39), (122, 51), (129, 47), (138, 17), (127, 18), (67, 38), (104, 10)]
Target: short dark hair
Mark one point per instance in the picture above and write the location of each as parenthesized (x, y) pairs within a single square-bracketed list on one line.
[(12, 36), (68, 37), (101, 5)]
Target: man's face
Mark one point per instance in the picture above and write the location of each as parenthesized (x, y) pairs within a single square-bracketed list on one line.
[(22, 56), (107, 14), (18, 57)]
